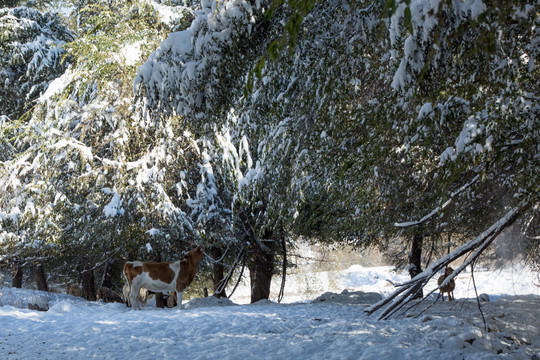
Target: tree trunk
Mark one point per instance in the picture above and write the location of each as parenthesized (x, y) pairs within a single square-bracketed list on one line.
[(108, 273), (260, 273), (16, 280), (88, 285), (160, 301), (41, 278), (415, 263), (218, 277)]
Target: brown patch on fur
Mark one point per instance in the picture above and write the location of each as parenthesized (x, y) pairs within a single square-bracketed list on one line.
[(131, 271), (188, 268), (159, 271), (156, 271)]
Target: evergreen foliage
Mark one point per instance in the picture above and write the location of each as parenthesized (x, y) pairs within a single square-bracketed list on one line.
[(31, 56), (381, 123)]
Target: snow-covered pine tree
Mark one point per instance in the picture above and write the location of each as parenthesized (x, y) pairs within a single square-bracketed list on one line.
[(32, 55), (86, 182)]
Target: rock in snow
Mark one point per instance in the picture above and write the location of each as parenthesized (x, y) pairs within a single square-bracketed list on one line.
[(353, 297)]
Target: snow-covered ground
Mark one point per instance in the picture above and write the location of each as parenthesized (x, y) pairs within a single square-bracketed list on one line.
[(515, 279), (333, 329)]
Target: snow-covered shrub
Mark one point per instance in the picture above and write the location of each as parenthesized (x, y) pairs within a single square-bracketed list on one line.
[(38, 302)]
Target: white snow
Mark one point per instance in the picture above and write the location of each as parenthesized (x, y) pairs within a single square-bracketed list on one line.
[(131, 54), (114, 207), (84, 150), (57, 86), (426, 109), (168, 14), (332, 329)]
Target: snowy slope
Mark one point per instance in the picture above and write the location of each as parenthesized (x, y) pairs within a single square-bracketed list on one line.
[(211, 328)]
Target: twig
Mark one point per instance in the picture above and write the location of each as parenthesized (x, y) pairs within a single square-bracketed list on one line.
[(477, 299), (223, 283), (241, 274), (284, 270)]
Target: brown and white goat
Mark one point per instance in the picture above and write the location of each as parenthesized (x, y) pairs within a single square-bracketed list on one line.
[(448, 288), (161, 276)]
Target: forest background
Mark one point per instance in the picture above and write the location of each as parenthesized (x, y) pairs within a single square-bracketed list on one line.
[(138, 129)]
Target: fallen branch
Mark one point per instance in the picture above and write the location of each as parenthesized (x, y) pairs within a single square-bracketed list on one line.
[(401, 295)]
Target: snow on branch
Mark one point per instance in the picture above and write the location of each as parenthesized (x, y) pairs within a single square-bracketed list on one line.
[(186, 74), (438, 208)]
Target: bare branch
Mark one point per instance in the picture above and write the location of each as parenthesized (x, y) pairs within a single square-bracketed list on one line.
[(284, 270), (438, 208), (478, 245)]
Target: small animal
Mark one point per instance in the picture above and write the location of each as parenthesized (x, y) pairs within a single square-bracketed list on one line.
[(448, 288), (74, 290), (108, 295)]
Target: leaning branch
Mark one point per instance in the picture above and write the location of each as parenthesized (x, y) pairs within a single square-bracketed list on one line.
[(284, 270), (223, 283), (402, 294)]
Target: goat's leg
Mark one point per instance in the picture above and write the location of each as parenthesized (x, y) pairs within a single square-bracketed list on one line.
[(179, 296), (125, 294), (134, 296)]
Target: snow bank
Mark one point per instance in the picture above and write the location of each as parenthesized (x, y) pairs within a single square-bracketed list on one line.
[(210, 301), (336, 328), (346, 297), (21, 297)]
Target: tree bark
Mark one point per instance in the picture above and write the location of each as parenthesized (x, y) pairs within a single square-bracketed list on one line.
[(41, 278), (160, 301), (260, 273), (108, 273), (88, 285), (415, 263), (16, 280)]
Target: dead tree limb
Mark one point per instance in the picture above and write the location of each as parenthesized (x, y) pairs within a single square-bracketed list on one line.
[(284, 269), (438, 208), (402, 294), (223, 283), (240, 275)]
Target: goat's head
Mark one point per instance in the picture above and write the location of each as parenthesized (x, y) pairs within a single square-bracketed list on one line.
[(195, 255)]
